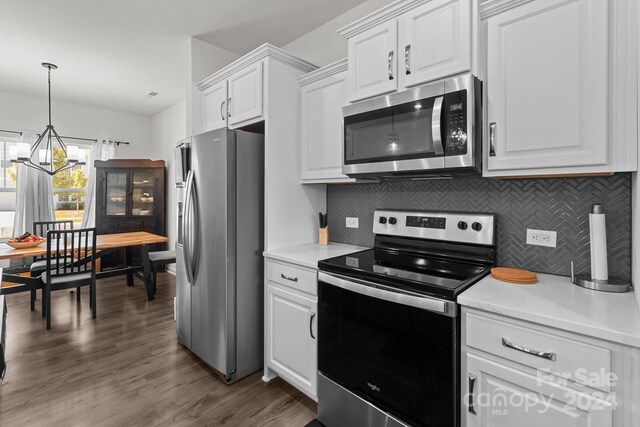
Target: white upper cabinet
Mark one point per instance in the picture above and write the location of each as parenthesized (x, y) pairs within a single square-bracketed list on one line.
[(323, 93), (561, 87), (435, 41), (215, 106), (245, 94), (407, 43), (373, 67), (547, 85)]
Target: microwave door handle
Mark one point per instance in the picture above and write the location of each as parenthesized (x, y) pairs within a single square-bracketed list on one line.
[(436, 134)]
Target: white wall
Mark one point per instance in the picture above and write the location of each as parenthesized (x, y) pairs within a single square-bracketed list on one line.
[(324, 45), (169, 127), (203, 59), (18, 112)]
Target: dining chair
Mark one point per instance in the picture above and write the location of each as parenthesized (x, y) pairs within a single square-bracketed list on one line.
[(40, 228), (70, 263)]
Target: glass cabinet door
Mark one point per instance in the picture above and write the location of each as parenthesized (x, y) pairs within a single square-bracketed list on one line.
[(143, 194), (116, 203)]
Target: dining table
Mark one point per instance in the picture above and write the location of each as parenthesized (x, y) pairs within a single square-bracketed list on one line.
[(105, 244)]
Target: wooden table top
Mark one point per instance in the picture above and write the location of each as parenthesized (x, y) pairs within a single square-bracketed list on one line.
[(103, 241)]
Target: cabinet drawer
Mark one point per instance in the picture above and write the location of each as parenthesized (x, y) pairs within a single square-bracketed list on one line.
[(571, 359), (126, 225), (305, 280)]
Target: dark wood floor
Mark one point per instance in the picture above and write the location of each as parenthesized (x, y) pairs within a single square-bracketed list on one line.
[(126, 368)]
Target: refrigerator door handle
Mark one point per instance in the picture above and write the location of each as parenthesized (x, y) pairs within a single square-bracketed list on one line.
[(194, 227), (186, 228)]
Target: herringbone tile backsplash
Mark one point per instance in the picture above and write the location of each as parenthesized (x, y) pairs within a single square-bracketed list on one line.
[(562, 205)]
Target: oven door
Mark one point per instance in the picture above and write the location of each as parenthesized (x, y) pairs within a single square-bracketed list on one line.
[(389, 349)]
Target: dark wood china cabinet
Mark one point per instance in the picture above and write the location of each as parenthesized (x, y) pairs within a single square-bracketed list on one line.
[(130, 196)]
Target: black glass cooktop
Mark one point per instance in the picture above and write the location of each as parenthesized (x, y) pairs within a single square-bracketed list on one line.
[(413, 272)]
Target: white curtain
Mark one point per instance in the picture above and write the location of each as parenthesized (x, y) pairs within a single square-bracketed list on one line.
[(34, 194), (101, 150)]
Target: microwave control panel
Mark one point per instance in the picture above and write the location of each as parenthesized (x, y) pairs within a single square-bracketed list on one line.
[(456, 123)]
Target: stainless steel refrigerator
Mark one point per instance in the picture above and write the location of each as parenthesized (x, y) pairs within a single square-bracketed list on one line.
[(219, 274)]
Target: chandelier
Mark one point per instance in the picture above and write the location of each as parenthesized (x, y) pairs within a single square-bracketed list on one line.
[(44, 146)]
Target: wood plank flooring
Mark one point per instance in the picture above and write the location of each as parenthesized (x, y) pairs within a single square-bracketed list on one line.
[(126, 368)]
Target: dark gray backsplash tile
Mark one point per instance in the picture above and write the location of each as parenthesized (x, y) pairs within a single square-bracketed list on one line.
[(561, 204)]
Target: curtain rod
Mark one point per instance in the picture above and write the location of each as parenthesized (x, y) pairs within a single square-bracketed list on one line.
[(72, 137)]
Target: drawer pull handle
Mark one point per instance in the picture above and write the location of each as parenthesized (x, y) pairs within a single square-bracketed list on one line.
[(293, 279), (543, 354), (472, 383)]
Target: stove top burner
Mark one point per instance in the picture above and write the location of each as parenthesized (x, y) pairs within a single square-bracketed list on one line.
[(429, 276), (424, 252)]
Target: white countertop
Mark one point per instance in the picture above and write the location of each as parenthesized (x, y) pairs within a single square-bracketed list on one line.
[(555, 301), (309, 255)]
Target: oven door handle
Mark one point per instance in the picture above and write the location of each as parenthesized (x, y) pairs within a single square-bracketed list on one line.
[(436, 133), (386, 293)]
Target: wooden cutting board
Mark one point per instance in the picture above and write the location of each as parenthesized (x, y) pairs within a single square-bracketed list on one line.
[(514, 275)]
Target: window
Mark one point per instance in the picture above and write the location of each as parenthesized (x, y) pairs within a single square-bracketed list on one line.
[(7, 188), (70, 186)]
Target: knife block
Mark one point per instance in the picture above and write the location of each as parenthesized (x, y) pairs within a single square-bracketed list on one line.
[(323, 236)]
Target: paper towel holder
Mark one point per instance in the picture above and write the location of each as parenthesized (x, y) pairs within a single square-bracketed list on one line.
[(611, 285)]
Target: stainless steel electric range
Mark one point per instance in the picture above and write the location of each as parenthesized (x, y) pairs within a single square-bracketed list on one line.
[(388, 323)]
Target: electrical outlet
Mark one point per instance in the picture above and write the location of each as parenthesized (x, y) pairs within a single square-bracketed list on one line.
[(542, 237), (352, 222)]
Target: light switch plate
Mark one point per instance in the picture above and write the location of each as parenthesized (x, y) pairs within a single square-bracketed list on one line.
[(351, 222), (542, 238)]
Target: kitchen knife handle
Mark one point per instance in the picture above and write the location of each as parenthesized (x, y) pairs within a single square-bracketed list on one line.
[(311, 325), (390, 65), (492, 139)]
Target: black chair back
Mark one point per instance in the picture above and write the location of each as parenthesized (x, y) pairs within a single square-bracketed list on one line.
[(41, 228), (75, 250)]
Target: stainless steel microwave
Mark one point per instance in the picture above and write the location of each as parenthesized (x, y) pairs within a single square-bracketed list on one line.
[(431, 129)]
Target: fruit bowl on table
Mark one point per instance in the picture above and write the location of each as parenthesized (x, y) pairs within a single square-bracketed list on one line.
[(22, 245)]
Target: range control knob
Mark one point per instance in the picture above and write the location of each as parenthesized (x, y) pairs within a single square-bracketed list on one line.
[(392, 220), (382, 220), (462, 225), (476, 226)]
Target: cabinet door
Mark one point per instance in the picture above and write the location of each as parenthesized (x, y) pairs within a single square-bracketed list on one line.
[(321, 129), (547, 85), (372, 57), (291, 330), (245, 94), (497, 395), (214, 106), (143, 195), (435, 41), (116, 192)]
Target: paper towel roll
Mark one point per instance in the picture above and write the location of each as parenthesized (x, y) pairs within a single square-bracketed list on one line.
[(598, 235)]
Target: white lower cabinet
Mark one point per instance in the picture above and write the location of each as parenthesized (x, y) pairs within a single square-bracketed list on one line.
[(502, 396), (291, 328), (517, 373)]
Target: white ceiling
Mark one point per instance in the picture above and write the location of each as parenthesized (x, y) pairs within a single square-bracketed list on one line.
[(111, 53)]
